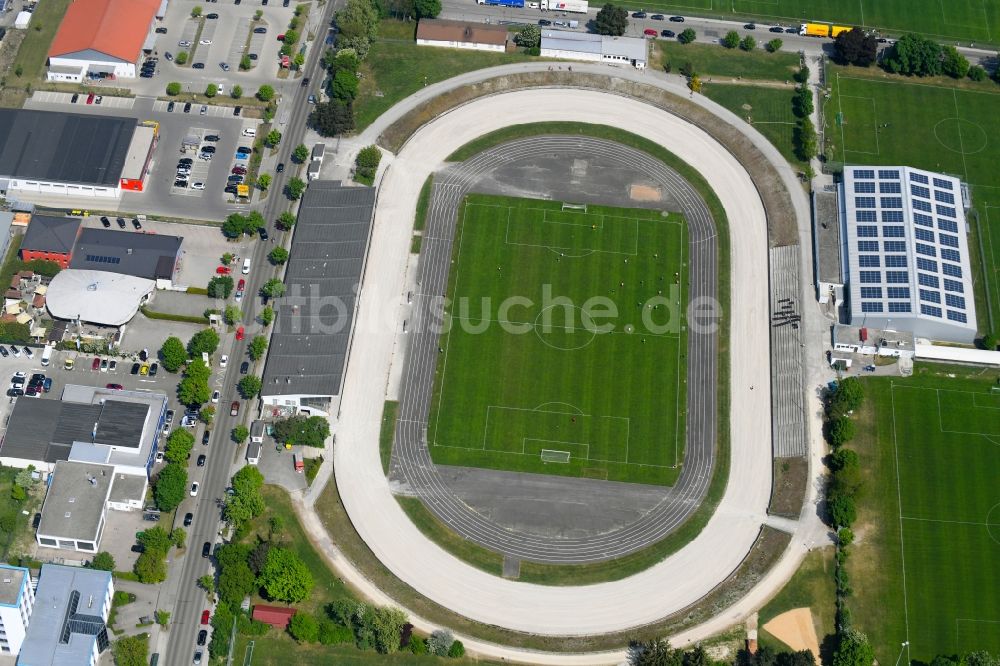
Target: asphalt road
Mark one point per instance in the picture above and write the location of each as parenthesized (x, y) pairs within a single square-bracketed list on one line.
[(190, 601), (410, 450)]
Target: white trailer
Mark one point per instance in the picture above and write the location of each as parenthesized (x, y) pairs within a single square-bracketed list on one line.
[(576, 6)]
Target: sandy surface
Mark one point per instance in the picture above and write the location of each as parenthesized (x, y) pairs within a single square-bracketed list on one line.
[(796, 629)]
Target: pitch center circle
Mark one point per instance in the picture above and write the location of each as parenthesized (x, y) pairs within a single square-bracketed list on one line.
[(993, 522), (961, 136), (567, 335)]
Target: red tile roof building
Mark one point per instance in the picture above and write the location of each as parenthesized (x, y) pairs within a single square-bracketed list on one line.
[(276, 616)]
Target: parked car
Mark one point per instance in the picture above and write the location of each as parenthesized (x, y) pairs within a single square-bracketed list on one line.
[(161, 30), (204, 616), (201, 460), (135, 368), (776, 28), (105, 222), (184, 44), (187, 107), (15, 351), (205, 436), (639, 15), (168, 55), (657, 17), (244, 367), (188, 519), (121, 222), (649, 32), (206, 550), (90, 98), (47, 384), (115, 387), (75, 97), (224, 361), (202, 637), (96, 365), (677, 19), (180, 182), (223, 270), (667, 33), (544, 22), (215, 397), (198, 185), (194, 489), (238, 169), (260, 30), (135, 224), (234, 409), (212, 16), (198, 65), (237, 110), (153, 368), (750, 26)]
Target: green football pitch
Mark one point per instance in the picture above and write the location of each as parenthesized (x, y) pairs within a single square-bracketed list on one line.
[(963, 20), (935, 501), (952, 130), (564, 352)]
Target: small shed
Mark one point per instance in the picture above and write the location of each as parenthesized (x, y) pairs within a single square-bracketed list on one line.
[(253, 452), (257, 431), (276, 616), (22, 20), (318, 151), (312, 171)]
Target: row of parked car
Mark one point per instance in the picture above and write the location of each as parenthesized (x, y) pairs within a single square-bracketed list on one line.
[(36, 385)]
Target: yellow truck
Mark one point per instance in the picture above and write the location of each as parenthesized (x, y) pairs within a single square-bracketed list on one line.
[(814, 30), (837, 29)]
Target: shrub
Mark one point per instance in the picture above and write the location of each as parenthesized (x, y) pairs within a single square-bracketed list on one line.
[(211, 90), (774, 45), (731, 40), (174, 88), (181, 57), (236, 92), (456, 650), (304, 628), (265, 93), (440, 642), (687, 36), (802, 75)]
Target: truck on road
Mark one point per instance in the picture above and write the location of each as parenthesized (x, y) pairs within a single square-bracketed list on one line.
[(814, 30), (576, 6), (502, 3)]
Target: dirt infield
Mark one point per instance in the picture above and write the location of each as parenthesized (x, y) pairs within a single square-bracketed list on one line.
[(796, 629)]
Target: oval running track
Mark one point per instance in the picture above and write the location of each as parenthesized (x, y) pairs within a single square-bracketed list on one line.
[(677, 581)]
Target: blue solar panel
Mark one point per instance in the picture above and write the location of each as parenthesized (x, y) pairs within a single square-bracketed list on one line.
[(953, 301), (864, 216), (948, 240), (926, 250), (925, 220), (930, 296), (867, 246), (930, 310), (871, 277), (927, 280), (894, 246), (922, 205), (957, 316), (945, 211), (927, 265), (871, 306), (864, 173), (892, 216), (869, 260), (924, 235), (944, 197), (918, 191), (865, 231), (940, 182), (894, 232), (864, 202), (918, 178), (948, 225), (952, 270), (889, 188), (954, 285), (871, 292), (895, 261), (897, 277), (890, 174), (950, 255), (864, 187), (892, 202), (898, 292), (899, 306)]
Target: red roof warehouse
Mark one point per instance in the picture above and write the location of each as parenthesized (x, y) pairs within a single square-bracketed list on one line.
[(276, 616)]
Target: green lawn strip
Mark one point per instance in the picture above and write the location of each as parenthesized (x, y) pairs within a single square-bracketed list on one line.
[(275, 650), (397, 69), (15, 528), (770, 113), (465, 550), (714, 60), (811, 587), (387, 433), (423, 201), (169, 316), (11, 263), (415, 243), (943, 484), (977, 22), (940, 122), (34, 51)]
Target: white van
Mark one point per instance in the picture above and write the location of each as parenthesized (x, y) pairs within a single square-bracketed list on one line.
[(46, 354), (249, 131), (246, 266)]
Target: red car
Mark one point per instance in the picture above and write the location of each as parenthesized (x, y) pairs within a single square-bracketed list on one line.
[(223, 270), (204, 616), (281, 37), (240, 333), (649, 32), (96, 365), (234, 409), (241, 285), (116, 387), (90, 98)]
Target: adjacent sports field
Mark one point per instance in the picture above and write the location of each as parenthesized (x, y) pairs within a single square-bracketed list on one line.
[(534, 376), (927, 567), (954, 130), (965, 20)]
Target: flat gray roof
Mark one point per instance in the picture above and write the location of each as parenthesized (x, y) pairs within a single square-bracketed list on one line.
[(127, 487), (69, 604), (75, 500), (150, 256), (11, 584), (309, 347), (121, 424), (64, 147), (826, 208), (51, 234)]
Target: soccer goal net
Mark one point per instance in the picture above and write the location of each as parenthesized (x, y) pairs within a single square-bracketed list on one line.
[(549, 455), (571, 206)]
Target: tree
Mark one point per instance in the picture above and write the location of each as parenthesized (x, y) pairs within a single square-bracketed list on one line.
[(206, 414), (687, 36), (162, 618), (357, 23), (227, 259), (611, 20), (245, 63), (304, 628), (457, 650), (748, 43), (265, 93), (193, 389), (731, 40), (529, 37), (196, 12), (266, 317), (239, 509), (211, 90), (300, 154), (178, 536), (207, 583), (295, 188), (236, 581), (174, 88), (204, 341), (694, 83), (273, 288), (181, 58), (232, 315), (387, 625), (257, 346), (804, 137), (298, 60), (240, 434), (247, 480), (303, 430), (18, 494), (439, 642), (843, 511), (344, 86), (855, 47), (264, 181), (988, 342), (285, 577), (179, 446), (802, 103), (846, 471), (151, 568), (278, 255), (236, 92), (250, 386), (853, 650), (156, 539), (172, 354), (367, 162), (103, 561), (427, 8), (802, 75), (170, 488), (332, 118), (131, 650), (286, 220), (774, 45), (236, 225), (913, 55), (258, 14), (273, 138), (220, 286), (291, 37), (841, 431), (953, 63), (25, 477), (846, 397), (977, 73)]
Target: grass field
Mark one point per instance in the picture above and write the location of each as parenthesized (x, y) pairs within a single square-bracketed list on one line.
[(941, 128), (926, 566), (811, 587), (712, 60), (769, 110), (964, 20), (541, 386)]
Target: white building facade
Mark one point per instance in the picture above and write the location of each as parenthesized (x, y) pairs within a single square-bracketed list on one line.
[(17, 600)]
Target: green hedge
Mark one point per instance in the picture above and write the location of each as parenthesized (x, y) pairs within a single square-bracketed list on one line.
[(167, 316)]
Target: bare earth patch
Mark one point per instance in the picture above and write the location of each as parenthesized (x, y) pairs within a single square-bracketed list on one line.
[(644, 193), (795, 628)]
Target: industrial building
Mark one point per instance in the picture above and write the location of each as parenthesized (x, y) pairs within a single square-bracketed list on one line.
[(69, 623), (17, 601), (46, 155), (905, 258), (461, 35), (50, 239), (102, 39), (315, 318), (148, 256), (594, 48), (97, 297)]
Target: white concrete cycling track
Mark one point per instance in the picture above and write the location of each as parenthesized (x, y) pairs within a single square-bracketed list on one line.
[(684, 577)]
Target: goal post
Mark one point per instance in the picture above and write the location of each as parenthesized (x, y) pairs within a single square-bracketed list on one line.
[(573, 206), (553, 456)]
